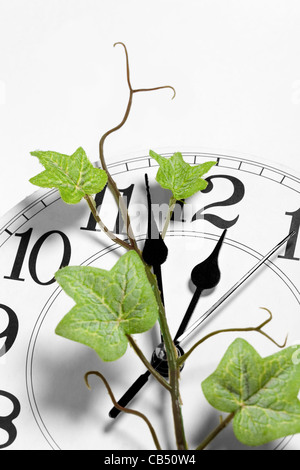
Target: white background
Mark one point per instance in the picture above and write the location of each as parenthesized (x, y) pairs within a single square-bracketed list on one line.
[(235, 65)]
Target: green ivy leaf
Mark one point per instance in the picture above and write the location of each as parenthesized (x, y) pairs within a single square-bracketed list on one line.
[(109, 305), (261, 392), (73, 175), (180, 177)]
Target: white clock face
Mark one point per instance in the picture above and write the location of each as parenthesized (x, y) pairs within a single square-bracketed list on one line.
[(44, 403)]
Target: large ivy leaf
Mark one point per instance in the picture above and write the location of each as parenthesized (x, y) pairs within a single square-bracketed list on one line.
[(180, 177), (109, 305), (73, 175), (261, 392)]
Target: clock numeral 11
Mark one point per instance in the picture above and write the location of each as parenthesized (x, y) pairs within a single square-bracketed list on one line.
[(15, 274), (119, 225), (291, 244)]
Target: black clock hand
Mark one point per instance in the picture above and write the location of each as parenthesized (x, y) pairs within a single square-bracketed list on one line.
[(205, 275), (154, 253), (203, 317)]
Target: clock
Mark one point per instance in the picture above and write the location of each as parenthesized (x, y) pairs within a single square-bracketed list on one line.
[(44, 401)]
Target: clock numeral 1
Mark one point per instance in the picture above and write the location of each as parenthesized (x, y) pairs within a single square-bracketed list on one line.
[(119, 225), (16, 270), (10, 331), (21, 252), (291, 244), (6, 422)]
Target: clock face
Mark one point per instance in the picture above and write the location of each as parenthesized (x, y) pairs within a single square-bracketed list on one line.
[(44, 402)]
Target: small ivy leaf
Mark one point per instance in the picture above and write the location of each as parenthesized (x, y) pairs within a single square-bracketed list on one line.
[(261, 392), (109, 305), (73, 175), (180, 177)]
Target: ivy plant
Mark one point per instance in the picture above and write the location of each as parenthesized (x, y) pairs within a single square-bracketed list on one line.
[(182, 179), (259, 394), (110, 305), (74, 176)]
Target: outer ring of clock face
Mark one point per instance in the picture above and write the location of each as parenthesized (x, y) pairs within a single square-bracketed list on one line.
[(30, 233)]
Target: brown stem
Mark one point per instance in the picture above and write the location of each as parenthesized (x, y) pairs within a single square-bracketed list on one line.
[(172, 204), (96, 216), (111, 183), (121, 408), (174, 368), (151, 369), (156, 88), (170, 348), (215, 432), (258, 329)]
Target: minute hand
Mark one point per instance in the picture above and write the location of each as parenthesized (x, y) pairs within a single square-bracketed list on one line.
[(204, 275), (203, 317)]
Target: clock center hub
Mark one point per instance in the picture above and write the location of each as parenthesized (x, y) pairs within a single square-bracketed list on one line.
[(159, 359)]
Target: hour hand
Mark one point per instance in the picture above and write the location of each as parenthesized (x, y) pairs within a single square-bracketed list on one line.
[(204, 275), (155, 251)]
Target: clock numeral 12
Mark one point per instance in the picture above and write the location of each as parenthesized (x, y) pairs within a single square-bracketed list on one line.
[(236, 196), (6, 422), (291, 244), (22, 250)]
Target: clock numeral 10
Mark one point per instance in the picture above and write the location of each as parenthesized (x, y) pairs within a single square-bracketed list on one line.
[(6, 422), (291, 244), (15, 274)]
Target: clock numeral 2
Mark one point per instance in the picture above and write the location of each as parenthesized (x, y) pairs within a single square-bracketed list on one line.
[(237, 195), (32, 265), (6, 422), (291, 244)]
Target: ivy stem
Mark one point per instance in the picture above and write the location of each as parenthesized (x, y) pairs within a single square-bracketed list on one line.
[(174, 368), (112, 185), (174, 371), (215, 432), (258, 329), (121, 408), (151, 369), (103, 227), (172, 204), (173, 364)]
